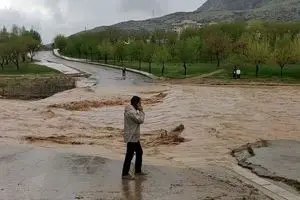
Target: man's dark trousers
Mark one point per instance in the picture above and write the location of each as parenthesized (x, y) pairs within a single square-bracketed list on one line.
[(131, 148)]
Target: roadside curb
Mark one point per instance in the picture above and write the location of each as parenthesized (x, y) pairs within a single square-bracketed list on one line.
[(273, 191), (146, 74)]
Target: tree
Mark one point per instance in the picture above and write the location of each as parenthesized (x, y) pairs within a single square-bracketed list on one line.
[(84, 49), (15, 30), (285, 52), (35, 35), (4, 35), (3, 55), (233, 30), (70, 48), (186, 51), (236, 59), (92, 49), (15, 50), (217, 44), (189, 33), (32, 47), (148, 55), (198, 46), (257, 52), (120, 51), (106, 49), (137, 49), (162, 55), (60, 42)]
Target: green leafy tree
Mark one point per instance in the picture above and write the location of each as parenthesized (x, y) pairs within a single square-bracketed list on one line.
[(120, 51), (84, 49), (148, 55), (15, 30), (257, 52), (35, 35), (32, 46), (285, 52), (139, 49), (15, 50), (162, 55), (106, 50), (3, 55), (218, 44), (233, 30), (60, 42), (189, 33), (186, 51), (135, 50)]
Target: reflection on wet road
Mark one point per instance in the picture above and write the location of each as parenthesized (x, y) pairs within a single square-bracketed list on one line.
[(40, 173), (103, 76)]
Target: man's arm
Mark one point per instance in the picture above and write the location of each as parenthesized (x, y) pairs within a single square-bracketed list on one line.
[(138, 117)]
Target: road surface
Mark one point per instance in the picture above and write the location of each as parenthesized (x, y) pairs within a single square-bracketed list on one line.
[(103, 76), (32, 173)]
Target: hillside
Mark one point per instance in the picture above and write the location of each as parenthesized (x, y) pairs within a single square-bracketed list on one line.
[(222, 11)]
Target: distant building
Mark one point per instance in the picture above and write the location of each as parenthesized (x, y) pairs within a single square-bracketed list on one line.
[(185, 24)]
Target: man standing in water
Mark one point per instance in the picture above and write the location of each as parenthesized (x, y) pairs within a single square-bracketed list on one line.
[(133, 117), (124, 73)]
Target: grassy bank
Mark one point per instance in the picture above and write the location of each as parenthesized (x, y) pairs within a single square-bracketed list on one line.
[(267, 73), (27, 69), (172, 70)]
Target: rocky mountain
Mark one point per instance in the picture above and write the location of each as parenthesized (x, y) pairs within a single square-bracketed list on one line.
[(222, 11), (232, 5)]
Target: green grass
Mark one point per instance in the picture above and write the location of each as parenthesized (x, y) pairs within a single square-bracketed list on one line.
[(267, 72), (271, 73), (27, 69), (172, 70)]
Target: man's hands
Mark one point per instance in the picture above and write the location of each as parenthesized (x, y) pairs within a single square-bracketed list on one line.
[(140, 108)]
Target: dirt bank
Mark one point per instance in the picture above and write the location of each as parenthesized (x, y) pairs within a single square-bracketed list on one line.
[(34, 87), (86, 105), (111, 137)]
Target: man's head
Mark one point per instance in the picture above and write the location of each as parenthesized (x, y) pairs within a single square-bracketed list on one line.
[(136, 102)]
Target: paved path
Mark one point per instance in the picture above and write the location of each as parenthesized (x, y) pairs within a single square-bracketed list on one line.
[(59, 67), (103, 76), (31, 173)]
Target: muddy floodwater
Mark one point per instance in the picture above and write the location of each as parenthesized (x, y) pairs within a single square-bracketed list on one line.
[(186, 126), (216, 120)]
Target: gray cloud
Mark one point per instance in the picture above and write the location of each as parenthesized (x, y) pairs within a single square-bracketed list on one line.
[(148, 6), (52, 17)]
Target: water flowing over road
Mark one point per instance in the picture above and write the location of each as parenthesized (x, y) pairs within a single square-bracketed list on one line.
[(216, 120), (102, 76)]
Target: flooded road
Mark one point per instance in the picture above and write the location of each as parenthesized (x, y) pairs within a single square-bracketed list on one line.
[(103, 76), (216, 119), (39, 173)]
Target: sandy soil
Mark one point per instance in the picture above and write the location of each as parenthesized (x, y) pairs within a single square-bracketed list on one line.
[(216, 120)]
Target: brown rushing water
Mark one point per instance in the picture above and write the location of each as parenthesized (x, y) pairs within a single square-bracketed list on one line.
[(216, 119)]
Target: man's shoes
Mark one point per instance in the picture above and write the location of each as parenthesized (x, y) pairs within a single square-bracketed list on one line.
[(141, 174), (128, 177)]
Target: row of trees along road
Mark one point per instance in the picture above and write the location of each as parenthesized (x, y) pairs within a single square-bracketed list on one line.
[(16, 44), (234, 44)]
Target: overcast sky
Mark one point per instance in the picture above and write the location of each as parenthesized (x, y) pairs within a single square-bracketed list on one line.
[(51, 17)]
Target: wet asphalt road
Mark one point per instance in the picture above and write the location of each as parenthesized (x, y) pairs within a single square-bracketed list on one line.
[(46, 174), (103, 76)]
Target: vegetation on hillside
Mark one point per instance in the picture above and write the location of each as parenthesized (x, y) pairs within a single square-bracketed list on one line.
[(220, 11)]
